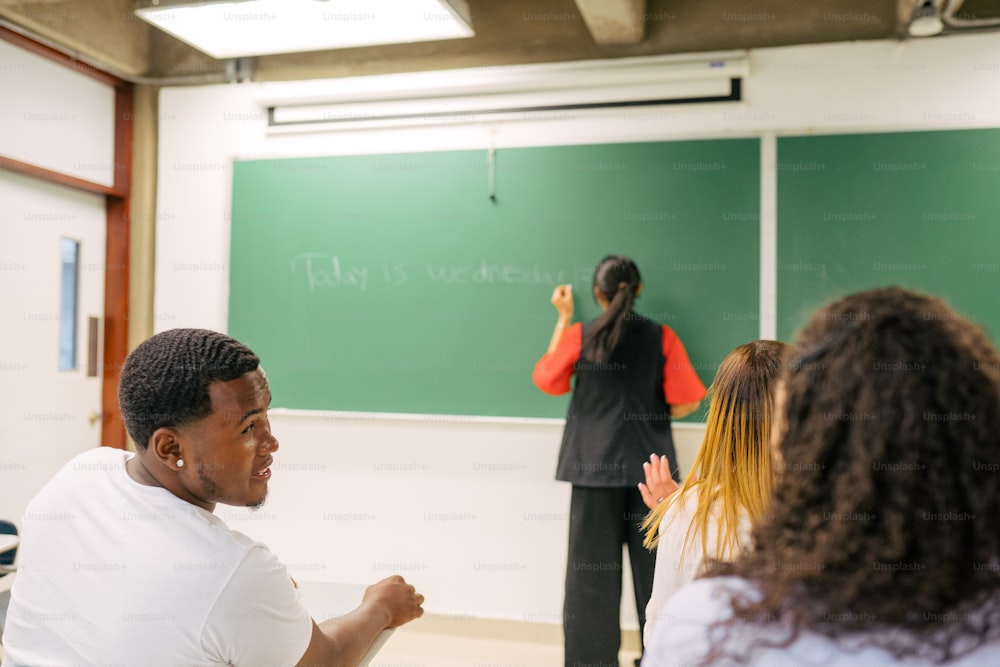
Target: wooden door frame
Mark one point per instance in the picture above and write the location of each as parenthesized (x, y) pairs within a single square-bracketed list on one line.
[(117, 199)]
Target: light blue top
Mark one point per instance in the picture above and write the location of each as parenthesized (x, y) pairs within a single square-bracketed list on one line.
[(681, 637)]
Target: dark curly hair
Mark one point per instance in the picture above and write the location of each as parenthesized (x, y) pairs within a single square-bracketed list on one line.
[(164, 381), (884, 526)]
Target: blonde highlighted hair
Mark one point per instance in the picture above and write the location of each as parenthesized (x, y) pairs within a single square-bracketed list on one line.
[(732, 473)]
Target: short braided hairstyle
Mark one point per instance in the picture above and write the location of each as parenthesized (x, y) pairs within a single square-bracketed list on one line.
[(165, 380)]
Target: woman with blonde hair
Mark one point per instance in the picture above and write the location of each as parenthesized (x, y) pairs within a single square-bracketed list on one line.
[(709, 517)]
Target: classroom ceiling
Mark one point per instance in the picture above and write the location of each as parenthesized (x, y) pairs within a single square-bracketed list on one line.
[(508, 32)]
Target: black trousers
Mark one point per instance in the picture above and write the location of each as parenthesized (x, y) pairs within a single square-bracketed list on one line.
[(601, 520)]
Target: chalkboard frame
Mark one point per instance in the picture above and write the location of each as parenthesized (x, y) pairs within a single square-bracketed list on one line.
[(687, 211)]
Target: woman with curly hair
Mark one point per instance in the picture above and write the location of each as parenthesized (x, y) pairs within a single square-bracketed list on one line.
[(881, 544), (710, 516)]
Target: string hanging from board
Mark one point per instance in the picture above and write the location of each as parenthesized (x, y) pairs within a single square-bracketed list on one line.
[(491, 163)]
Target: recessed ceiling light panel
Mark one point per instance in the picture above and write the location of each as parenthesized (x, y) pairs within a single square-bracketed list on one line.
[(263, 27)]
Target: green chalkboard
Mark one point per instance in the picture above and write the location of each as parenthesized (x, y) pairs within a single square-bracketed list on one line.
[(394, 283), (916, 209)]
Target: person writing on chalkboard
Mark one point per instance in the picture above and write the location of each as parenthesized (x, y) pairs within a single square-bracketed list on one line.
[(710, 516), (125, 562), (881, 542), (632, 377)]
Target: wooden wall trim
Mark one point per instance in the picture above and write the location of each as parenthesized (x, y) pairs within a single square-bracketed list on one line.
[(116, 274), (66, 60), (115, 320), (28, 169)]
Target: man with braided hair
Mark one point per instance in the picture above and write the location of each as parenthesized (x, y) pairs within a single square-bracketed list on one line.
[(123, 560)]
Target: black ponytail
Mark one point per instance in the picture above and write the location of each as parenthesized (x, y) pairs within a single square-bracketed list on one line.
[(617, 278)]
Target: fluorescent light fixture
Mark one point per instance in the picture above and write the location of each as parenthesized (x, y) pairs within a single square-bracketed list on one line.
[(262, 27)]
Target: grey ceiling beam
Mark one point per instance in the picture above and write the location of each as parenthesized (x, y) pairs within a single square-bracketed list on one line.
[(614, 22)]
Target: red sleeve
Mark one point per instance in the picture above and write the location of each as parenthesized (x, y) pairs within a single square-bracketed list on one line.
[(553, 371), (681, 383)]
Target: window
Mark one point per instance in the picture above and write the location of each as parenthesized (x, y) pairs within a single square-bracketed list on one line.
[(69, 279)]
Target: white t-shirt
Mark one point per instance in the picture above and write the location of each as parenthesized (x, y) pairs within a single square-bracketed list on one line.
[(683, 637), (679, 562), (112, 572)]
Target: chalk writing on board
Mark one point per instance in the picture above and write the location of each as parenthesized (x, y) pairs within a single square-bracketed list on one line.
[(394, 274), (324, 270), (486, 272)]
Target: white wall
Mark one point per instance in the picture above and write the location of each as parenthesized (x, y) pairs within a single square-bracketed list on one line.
[(468, 510), (54, 117), (60, 119)]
